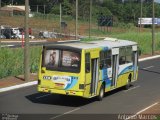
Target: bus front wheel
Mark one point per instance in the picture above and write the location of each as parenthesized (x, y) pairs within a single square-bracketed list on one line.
[(101, 93)]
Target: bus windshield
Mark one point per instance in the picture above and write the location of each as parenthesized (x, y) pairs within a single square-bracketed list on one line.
[(62, 60)]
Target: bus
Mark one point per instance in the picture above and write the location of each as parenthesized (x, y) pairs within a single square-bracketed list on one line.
[(88, 69)]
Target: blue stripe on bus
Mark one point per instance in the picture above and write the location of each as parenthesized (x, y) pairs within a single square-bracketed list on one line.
[(74, 80)]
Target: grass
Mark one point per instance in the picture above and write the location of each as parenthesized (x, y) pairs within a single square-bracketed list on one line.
[(144, 40), (12, 61)]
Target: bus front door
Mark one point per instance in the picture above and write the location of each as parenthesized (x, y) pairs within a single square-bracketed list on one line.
[(115, 64), (94, 76), (135, 64)]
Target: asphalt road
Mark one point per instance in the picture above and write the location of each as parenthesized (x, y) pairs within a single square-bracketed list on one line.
[(28, 103)]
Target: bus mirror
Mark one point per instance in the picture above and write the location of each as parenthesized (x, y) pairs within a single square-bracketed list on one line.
[(43, 70), (139, 52)]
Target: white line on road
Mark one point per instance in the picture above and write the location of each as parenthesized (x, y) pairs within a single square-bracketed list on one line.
[(132, 88), (142, 111), (43, 96), (148, 67), (149, 58), (65, 113), (18, 86)]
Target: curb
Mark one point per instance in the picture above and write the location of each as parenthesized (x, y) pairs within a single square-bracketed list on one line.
[(149, 58), (35, 82), (18, 86)]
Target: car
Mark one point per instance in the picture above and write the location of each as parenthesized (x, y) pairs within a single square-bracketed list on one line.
[(2, 37), (47, 34), (8, 33), (19, 36), (15, 30)]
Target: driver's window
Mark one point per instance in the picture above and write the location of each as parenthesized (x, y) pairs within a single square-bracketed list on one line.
[(87, 61)]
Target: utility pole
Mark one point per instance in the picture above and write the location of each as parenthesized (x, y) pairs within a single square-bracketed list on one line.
[(153, 28), (90, 18), (37, 9), (141, 15), (60, 17), (44, 7), (76, 19), (12, 8), (0, 7), (26, 48)]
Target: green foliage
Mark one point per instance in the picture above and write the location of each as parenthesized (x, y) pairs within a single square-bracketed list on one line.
[(55, 10), (124, 25), (127, 12), (144, 40), (12, 62), (66, 7)]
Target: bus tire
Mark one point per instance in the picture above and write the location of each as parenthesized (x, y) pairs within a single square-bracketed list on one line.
[(129, 82), (101, 93)]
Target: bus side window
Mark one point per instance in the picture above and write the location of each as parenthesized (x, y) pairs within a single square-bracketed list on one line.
[(122, 56), (87, 62), (102, 60), (128, 54), (105, 59), (125, 55), (108, 59)]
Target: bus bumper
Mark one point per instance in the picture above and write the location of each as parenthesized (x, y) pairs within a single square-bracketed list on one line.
[(62, 92)]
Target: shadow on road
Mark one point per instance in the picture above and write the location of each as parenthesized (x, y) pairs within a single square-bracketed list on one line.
[(61, 100), (54, 99)]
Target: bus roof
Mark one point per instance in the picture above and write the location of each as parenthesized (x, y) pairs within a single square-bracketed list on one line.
[(107, 42)]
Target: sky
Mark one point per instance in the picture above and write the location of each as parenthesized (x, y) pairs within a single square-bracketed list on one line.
[(157, 1)]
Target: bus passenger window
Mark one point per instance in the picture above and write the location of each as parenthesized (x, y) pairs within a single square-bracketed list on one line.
[(105, 59), (102, 60), (108, 59), (122, 60), (87, 63), (125, 55), (52, 58), (128, 54), (122, 56)]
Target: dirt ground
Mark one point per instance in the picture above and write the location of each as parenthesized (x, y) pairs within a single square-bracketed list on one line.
[(16, 80)]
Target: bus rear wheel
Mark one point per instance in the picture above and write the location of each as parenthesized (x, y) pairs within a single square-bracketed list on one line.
[(101, 93), (129, 83)]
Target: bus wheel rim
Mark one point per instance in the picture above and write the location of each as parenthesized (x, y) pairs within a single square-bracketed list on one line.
[(101, 93)]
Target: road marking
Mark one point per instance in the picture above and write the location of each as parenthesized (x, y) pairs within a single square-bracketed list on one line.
[(142, 111), (43, 96), (18, 86), (148, 67), (149, 58), (65, 113), (132, 88)]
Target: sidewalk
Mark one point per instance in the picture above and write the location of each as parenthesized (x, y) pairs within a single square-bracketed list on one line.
[(153, 110)]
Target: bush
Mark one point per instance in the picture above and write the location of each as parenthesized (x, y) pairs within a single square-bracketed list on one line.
[(12, 61), (124, 25)]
